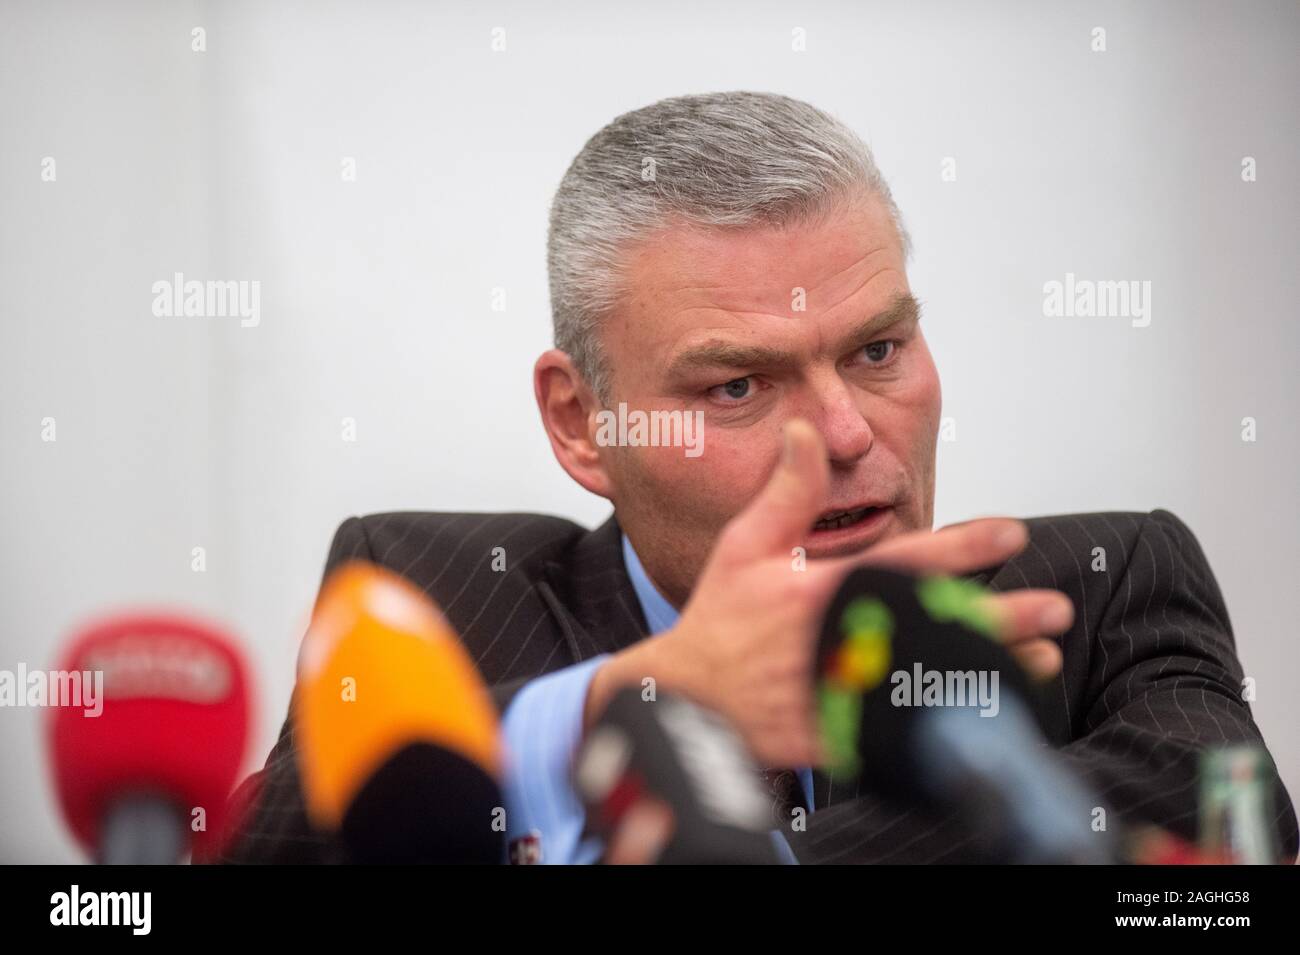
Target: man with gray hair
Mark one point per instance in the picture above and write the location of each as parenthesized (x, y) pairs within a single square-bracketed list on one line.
[(738, 257)]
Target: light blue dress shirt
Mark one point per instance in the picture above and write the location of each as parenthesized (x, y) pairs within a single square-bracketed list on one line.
[(542, 727)]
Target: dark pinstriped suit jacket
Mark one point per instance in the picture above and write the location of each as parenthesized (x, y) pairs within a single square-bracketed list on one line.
[(1150, 678)]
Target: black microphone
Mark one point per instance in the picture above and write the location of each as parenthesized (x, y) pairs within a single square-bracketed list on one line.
[(916, 693), (687, 758)]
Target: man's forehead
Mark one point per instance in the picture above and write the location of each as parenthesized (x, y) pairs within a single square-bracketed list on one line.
[(765, 269)]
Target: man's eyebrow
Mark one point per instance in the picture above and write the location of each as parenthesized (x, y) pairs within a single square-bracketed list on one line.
[(904, 309), (717, 353)]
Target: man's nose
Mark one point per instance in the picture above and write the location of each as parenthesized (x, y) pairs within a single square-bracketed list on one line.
[(842, 422)]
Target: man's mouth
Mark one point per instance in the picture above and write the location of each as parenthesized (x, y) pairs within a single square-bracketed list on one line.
[(835, 520)]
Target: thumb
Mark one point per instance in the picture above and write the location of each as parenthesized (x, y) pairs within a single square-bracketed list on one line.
[(782, 513)]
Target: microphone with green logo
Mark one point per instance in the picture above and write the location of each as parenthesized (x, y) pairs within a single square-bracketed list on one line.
[(917, 695)]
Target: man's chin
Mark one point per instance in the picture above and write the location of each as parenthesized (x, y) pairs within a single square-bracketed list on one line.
[(878, 524)]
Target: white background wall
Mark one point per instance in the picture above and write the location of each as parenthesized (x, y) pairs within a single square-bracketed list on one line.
[(376, 295)]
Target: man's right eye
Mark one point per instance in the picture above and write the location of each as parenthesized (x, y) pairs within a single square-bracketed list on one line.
[(735, 390)]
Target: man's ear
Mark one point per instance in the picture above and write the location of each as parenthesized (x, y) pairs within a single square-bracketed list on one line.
[(567, 404)]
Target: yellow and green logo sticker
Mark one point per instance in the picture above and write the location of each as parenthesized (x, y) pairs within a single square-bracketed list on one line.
[(858, 665)]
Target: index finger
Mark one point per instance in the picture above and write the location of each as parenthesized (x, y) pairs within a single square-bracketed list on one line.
[(959, 549)]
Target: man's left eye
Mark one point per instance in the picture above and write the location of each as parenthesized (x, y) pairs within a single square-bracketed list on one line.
[(738, 389), (879, 352)]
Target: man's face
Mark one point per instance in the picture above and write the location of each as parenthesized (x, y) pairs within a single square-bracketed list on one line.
[(753, 328)]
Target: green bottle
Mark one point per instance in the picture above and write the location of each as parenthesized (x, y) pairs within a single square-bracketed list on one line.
[(1237, 805)]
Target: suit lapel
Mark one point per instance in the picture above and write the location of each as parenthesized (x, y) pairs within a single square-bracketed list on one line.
[(592, 596)]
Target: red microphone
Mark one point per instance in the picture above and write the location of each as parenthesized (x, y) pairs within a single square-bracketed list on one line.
[(146, 778)]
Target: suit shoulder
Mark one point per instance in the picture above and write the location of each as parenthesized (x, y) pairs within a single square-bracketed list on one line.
[(410, 540), (1156, 546), (1100, 528), (1082, 528)]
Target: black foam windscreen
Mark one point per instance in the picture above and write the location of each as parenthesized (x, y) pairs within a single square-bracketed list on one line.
[(425, 805)]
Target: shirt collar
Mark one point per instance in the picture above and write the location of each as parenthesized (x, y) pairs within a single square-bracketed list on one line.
[(659, 613)]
